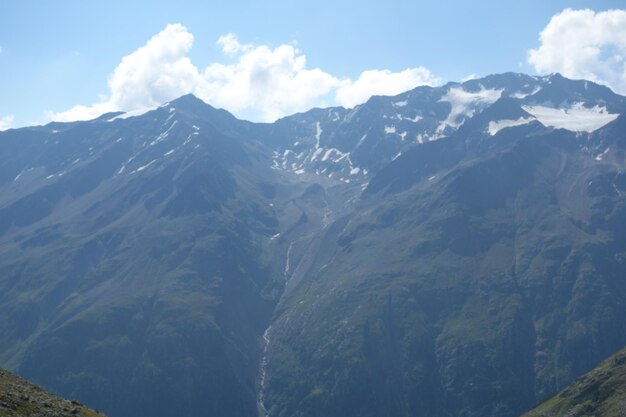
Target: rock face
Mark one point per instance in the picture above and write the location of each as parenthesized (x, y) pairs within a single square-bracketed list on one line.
[(451, 251), (19, 397), (600, 393)]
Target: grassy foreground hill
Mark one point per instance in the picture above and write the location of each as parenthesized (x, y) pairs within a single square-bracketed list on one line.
[(19, 397), (599, 393)]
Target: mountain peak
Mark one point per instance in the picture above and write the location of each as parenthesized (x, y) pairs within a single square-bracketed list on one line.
[(189, 100), (196, 108)]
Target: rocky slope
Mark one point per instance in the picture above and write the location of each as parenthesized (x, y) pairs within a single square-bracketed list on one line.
[(600, 393), (19, 397)]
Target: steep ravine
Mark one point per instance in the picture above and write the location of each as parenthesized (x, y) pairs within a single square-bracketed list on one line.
[(303, 239)]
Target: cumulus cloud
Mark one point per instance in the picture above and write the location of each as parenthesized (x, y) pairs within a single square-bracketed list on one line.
[(262, 82), (584, 44), (230, 44), (383, 82), (153, 74), (270, 81), (6, 122)]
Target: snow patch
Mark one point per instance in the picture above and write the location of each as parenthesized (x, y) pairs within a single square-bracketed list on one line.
[(163, 135), (495, 127), (599, 157), (343, 156), (400, 103), (317, 153), (141, 168), (390, 129), (318, 134), (464, 103), (133, 113), (520, 95), (576, 118), (415, 119), (188, 139)]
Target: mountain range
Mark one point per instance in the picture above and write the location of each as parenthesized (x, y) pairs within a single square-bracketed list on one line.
[(450, 251)]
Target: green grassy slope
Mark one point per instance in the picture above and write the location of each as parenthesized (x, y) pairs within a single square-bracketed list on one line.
[(599, 393), (19, 397)]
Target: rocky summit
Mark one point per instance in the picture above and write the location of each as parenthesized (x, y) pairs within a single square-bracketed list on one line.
[(451, 251)]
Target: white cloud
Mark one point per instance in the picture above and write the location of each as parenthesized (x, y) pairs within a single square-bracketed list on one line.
[(230, 44), (81, 112), (262, 82), (6, 122), (584, 44), (383, 82), (269, 81), (469, 77), (155, 73)]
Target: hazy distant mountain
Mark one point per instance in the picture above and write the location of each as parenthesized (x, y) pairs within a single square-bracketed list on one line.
[(451, 251)]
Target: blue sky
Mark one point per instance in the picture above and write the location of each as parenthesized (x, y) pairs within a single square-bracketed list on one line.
[(56, 55)]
